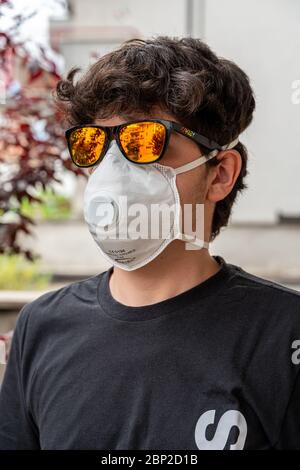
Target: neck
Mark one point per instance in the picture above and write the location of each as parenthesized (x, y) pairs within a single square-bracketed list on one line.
[(173, 272)]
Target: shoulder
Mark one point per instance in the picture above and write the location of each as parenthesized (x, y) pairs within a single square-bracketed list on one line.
[(267, 286), (59, 304), (264, 297)]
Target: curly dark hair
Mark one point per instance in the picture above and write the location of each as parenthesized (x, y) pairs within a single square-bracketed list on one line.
[(207, 93)]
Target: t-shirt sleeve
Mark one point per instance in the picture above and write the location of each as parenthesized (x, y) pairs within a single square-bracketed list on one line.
[(289, 438), (17, 430)]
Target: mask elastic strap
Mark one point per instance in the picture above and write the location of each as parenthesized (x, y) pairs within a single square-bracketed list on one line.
[(204, 158), (190, 239)]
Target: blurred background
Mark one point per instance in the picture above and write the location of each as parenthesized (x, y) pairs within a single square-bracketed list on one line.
[(44, 242)]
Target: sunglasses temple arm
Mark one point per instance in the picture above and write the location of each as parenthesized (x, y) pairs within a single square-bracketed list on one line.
[(201, 139)]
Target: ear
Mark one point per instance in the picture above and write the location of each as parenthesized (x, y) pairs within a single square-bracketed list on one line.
[(223, 176)]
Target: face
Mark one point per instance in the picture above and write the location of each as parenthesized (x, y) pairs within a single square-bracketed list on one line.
[(202, 185), (180, 150)]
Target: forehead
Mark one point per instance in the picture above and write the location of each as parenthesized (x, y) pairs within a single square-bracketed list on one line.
[(156, 113)]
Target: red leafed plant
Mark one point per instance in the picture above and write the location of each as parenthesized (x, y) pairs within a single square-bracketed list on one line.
[(32, 143)]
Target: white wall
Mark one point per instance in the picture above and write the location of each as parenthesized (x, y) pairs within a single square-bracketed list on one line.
[(150, 17), (263, 37)]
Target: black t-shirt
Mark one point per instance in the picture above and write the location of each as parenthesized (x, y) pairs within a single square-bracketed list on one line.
[(215, 367)]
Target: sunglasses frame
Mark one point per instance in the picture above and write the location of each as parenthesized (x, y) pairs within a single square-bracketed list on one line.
[(114, 131)]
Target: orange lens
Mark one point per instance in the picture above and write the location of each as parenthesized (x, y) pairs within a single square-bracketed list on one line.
[(143, 142), (86, 145)]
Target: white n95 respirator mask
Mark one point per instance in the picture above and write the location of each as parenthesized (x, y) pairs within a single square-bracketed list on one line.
[(133, 211)]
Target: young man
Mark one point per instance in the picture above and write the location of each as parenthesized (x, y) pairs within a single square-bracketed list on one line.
[(171, 348)]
